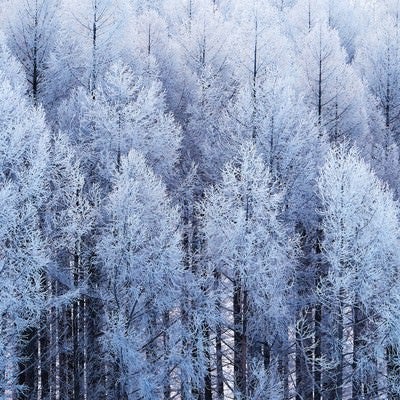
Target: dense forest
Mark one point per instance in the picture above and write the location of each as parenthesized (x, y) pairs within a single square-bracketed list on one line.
[(199, 199)]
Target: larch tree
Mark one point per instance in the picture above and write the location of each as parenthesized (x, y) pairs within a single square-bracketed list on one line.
[(267, 111), (378, 61), (69, 219), (205, 56), (330, 86), (357, 210), (253, 254), (94, 24), (83, 49), (96, 21), (126, 114), (33, 30), (378, 145), (24, 259), (141, 257)]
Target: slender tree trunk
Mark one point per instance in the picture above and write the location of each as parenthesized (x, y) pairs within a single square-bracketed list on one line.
[(317, 351), (29, 363), (237, 337), (189, 384), (208, 394), (284, 371), (93, 75), (167, 382), (255, 71), (304, 355), (305, 328), (35, 69), (332, 340), (243, 361), (67, 358), (240, 343), (57, 342), (43, 367), (44, 350), (340, 365), (359, 344), (267, 356), (94, 387), (372, 389), (75, 323), (218, 343), (318, 314), (393, 372)]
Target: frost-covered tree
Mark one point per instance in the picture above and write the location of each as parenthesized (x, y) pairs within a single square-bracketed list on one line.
[(141, 257), (379, 146), (268, 111), (96, 22), (360, 248), (23, 250), (200, 40), (253, 259), (125, 114), (33, 30), (330, 86), (285, 132), (378, 61), (69, 219), (206, 135), (86, 45)]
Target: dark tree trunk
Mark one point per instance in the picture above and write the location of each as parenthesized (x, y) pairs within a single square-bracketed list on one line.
[(358, 350), (208, 394), (240, 344), (317, 351), (393, 372), (339, 368), (237, 337), (44, 388), (167, 383), (218, 344), (304, 355), (29, 363)]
